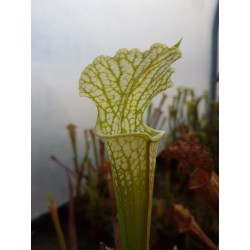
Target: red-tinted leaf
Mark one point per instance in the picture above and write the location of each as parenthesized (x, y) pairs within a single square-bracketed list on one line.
[(185, 223), (71, 219)]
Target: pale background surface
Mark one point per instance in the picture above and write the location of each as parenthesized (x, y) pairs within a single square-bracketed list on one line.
[(68, 35)]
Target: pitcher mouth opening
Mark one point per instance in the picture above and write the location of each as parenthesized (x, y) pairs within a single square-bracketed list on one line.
[(152, 135)]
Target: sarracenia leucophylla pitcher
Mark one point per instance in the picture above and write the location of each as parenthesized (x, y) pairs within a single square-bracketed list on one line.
[(122, 87)]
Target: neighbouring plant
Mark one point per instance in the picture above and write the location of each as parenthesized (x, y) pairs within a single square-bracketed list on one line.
[(187, 175), (94, 195), (72, 232), (187, 169), (122, 87), (55, 218), (190, 116)]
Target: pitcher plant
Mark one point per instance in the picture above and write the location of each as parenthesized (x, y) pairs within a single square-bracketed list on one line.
[(122, 87)]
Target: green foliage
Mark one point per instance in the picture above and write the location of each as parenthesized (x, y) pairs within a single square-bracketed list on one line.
[(198, 114)]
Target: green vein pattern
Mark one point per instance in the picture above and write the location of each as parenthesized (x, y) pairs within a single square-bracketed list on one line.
[(122, 87)]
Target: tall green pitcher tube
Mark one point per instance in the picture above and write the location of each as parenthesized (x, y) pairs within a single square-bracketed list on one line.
[(122, 87)]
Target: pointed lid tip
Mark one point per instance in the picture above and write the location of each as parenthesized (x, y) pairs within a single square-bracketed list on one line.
[(178, 43)]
